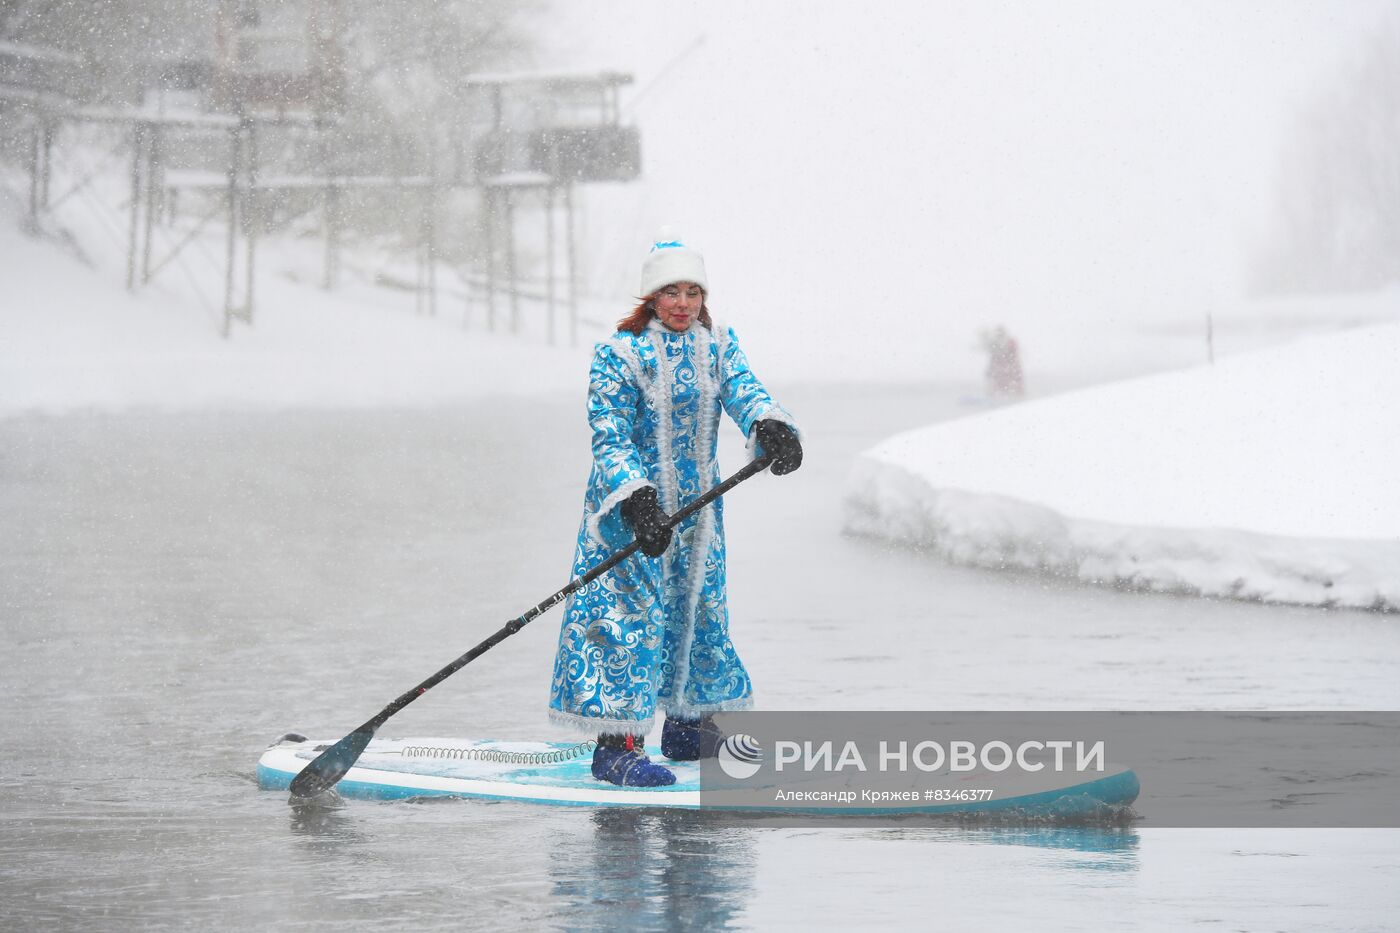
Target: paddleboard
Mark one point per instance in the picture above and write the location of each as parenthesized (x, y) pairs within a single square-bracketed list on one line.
[(559, 773)]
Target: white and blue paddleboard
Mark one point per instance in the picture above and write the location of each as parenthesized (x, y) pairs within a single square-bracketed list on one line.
[(560, 773)]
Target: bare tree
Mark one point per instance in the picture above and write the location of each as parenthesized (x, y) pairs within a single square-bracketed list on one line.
[(118, 40), (408, 64)]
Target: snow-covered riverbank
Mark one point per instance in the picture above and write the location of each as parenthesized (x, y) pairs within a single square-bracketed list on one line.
[(1267, 476)]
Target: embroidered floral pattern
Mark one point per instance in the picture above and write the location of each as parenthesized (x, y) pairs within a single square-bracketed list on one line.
[(654, 633)]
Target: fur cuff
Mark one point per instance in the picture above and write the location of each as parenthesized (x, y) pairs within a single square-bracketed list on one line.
[(594, 725), (776, 413), (701, 710), (616, 498)]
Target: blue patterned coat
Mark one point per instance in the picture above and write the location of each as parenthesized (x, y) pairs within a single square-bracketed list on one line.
[(654, 632)]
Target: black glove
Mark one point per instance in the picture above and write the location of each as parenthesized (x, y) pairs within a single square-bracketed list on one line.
[(647, 520), (779, 441)]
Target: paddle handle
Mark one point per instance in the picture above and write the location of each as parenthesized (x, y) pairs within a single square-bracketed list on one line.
[(758, 465)]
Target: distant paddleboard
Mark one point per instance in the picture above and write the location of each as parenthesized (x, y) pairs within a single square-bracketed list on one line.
[(560, 773)]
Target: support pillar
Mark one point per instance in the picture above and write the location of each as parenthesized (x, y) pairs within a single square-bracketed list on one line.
[(330, 221), (230, 256), (549, 258), (152, 167), (138, 138), (510, 263), (491, 211), (45, 163), (250, 220), (430, 246), (572, 259)]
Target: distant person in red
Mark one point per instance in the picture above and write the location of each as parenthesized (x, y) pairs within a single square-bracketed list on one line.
[(1004, 378)]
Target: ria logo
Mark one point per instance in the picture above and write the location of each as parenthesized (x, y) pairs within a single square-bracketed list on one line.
[(740, 756)]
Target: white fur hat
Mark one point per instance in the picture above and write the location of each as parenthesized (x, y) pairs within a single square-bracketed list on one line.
[(671, 261)]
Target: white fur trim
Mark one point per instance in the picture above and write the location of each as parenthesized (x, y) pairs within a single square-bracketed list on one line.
[(665, 431), (721, 335), (776, 413), (628, 354), (669, 265), (591, 725), (700, 710), (616, 498), (705, 525)]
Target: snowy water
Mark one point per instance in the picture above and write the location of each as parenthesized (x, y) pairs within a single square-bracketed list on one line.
[(177, 591)]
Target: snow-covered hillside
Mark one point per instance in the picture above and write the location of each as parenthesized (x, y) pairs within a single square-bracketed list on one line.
[(71, 339), (1269, 475)]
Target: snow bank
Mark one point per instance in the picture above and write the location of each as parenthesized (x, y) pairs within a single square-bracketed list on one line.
[(1269, 476)]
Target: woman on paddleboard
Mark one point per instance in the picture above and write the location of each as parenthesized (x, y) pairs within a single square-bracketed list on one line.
[(654, 633)]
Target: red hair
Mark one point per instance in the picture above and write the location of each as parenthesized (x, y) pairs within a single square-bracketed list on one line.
[(636, 321)]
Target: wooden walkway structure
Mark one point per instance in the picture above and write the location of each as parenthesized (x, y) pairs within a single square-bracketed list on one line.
[(549, 132)]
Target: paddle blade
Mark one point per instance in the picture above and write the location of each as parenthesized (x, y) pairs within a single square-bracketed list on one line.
[(331, 765)]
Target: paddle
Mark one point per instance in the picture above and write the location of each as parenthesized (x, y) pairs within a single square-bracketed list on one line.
[(332, 764)]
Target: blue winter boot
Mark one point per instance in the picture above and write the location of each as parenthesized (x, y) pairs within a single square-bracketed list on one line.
[(690, 739), (621, 760)]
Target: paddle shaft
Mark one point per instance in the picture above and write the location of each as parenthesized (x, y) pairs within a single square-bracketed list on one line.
[(516, 624)]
